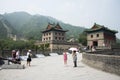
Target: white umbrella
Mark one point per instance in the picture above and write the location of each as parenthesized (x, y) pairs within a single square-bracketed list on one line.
[(73, 49)]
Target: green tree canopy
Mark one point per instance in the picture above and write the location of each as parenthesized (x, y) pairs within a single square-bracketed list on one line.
[(83, 38)]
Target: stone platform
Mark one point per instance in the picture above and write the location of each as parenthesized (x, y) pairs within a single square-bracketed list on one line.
[(9, 65), (13, 66), (53, 68)]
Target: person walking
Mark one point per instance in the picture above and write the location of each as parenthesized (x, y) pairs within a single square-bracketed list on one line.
[(65, 57), (74, 55), (29, 58)]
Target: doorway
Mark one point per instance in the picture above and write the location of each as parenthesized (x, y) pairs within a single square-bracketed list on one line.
[(95, 43)]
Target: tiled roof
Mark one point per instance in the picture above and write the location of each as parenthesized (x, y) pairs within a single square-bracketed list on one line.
[(55, 27), (97, 27)]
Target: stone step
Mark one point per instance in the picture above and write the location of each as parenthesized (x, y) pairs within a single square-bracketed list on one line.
[(13, 66)]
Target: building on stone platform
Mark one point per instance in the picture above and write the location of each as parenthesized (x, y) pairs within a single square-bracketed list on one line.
[(99, 35), (56, 37)]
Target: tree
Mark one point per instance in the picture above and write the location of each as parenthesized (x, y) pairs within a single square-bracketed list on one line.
[(9, 44), (44, 47), (2, 45), (83, 38)]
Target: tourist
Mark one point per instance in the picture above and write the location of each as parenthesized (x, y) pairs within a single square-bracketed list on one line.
[(74, 55), (13, 55), (29, 58), (93, 49), (18, 56), (65, 57)]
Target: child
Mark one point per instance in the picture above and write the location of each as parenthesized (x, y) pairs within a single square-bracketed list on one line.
[(65, 57)]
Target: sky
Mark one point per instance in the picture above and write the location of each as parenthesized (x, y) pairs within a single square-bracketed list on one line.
[(76, 12)]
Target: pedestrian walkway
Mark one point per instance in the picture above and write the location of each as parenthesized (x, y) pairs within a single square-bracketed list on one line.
[(53, 68)]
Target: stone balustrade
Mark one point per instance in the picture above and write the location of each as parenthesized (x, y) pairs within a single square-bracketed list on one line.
[(108, 63)]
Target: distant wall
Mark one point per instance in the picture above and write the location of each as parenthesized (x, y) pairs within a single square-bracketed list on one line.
[(109, 63)]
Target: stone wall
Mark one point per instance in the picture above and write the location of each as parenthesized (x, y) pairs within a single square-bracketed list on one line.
[(108, 63), (105, 51), (94, 37)]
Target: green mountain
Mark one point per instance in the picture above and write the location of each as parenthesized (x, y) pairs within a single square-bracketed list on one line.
[(30, 26), (6, 29)]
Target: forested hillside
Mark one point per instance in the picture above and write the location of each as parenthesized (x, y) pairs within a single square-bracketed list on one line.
[(30, 26), (6, 29)]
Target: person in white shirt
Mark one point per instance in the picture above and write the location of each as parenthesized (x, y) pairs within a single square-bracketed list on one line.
[(74, 55), (18, 56)]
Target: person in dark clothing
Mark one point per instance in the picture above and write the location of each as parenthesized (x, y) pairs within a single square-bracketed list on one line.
[(29, 57)]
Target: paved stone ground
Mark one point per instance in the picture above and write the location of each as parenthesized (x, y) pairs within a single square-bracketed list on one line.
[(52, 68)]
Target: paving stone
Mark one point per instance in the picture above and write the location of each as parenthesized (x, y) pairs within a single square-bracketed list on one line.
[(53, 68)]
